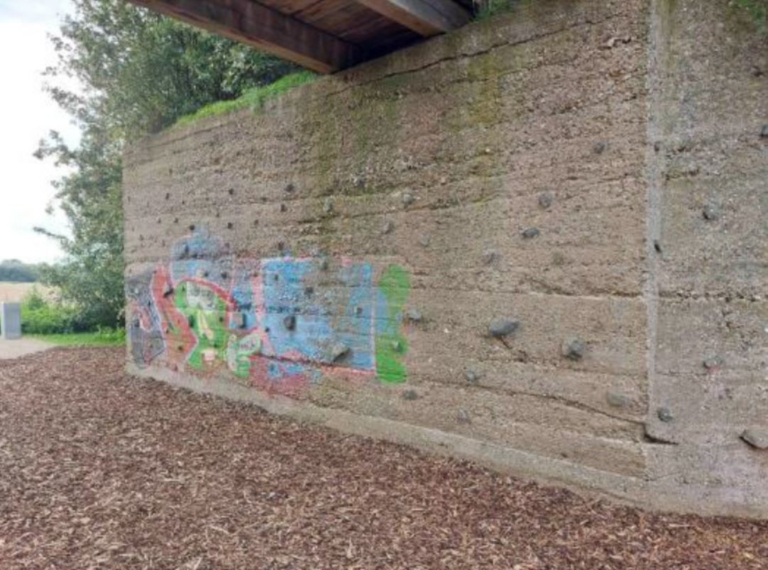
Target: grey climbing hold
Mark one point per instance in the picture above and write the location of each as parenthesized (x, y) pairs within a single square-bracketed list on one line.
[(463, 417), (764, 132), (503, 327), (410, 395), (489, 256), (358, 311), (546, 199), (665, 415), (573, 349), (324, 264), (713, 362), (471, 376), (408, 199), (757, 437), (338, 351), (290, 187), (388, 227), (290, 322), (413, 315), (710, 212), (600, 147), (424, 241), (530, 233), (328, 206), (283, 208), (397, 346), (618, 400)]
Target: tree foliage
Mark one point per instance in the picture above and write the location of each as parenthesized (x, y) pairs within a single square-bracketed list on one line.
[(136, 72), (14, 271)]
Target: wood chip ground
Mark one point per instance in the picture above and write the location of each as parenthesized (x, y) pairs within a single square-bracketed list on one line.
[(99, 470)]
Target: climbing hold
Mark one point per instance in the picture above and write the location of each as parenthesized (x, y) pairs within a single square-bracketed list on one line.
[(397, 346), (324, 264), (388, 227), (328, 206), (283, 208), (600, 147), (489, 256), (471, 376), (309, 291), (665, 415), (167, 290), (757, 437), (191, 227), (546, 199), (338, 351), (573, 349), (424, 240), (413, 315), (657, 246), (618, 400), (407, 199), (764, 132), (711, 212), (463, 417), (290, 322), (713, 362), (230, 225), (290, 187), (410, 395), (231, 191), (530, 233), (502, 327)]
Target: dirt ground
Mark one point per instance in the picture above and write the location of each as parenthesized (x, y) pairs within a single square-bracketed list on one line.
[(100, 471)]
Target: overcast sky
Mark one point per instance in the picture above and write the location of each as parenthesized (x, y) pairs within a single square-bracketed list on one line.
[(26, 115)]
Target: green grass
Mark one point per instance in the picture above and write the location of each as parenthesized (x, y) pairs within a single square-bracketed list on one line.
[(81, 339), (253, 98)]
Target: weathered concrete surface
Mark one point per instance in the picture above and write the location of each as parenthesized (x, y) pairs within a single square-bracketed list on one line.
[(342, 255), (21, 347)]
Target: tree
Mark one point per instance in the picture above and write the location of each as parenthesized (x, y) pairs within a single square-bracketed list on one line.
[(138, 72)]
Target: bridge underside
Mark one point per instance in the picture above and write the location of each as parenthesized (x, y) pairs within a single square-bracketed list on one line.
[(322, 35)]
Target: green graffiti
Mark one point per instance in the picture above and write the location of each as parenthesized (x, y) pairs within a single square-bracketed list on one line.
[(205, 312), (391, 345)]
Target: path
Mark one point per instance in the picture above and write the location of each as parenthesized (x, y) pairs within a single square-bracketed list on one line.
[(100, 470), (21, 347)]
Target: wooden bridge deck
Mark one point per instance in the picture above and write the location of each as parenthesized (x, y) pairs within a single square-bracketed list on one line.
[(322, 35)]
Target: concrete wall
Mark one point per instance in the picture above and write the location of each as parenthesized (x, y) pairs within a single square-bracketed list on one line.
[(589, 174)]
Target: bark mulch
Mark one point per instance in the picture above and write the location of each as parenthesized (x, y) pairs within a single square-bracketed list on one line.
[(100, 470)]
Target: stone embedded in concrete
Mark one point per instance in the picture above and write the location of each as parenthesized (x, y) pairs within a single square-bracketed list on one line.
[(471, 376), (546, 199), (410, 395), (414, 315), (764, 132), (618, 400), (502, 327), (665, 415)]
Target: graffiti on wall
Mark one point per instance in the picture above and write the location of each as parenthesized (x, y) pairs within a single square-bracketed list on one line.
[(276, 323)]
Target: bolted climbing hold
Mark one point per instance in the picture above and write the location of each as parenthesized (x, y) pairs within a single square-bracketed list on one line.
[(328, 206), (530, 233), (424, 241), (397, 346), (573, 349), (463, 417), (167, 290), (502, 327), (710, 212), (283, 208), (408, 199), (471, 376), (764, 132), (413, 315), (618, 400), (388, 227), (757, 437), (290, 322), (358, 311), (665, 415), (410, 395), (600, 147), (545, 200), (290, 187), (324, 264)]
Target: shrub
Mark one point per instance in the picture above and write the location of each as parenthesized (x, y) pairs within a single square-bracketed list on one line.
[(43, 316)]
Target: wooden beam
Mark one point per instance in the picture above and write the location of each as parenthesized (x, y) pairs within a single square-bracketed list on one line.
[(426, 17), (263, 28)]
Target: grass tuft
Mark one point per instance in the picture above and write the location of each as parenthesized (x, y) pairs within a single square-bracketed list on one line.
[(253, 98)]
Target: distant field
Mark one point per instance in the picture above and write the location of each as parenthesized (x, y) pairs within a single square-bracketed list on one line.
[(14, 292)]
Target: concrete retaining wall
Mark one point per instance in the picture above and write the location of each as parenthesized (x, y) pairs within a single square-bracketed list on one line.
[(588, 177)]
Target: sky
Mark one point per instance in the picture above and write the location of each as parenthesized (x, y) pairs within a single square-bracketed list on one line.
[(27, 114)]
